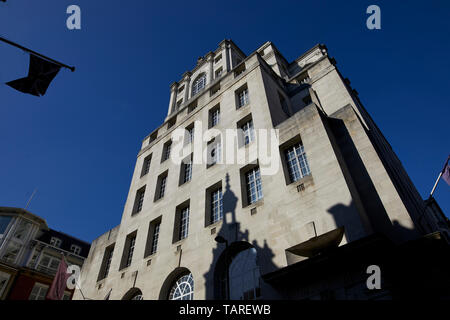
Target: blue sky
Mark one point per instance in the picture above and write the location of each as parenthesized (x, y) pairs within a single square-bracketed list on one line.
[(77, 145)]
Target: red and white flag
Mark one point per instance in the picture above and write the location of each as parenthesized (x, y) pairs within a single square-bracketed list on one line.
[(59, 283)]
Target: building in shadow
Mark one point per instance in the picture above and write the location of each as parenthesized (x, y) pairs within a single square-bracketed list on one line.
[(30, 253), (301, 216)]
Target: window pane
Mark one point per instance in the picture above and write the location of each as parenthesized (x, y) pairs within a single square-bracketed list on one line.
[(4, 222), (254, 187), (297, 163), (184, 223), (216, 206)]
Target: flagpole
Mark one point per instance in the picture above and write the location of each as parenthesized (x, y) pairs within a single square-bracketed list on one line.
[(37, 54), (438, 178)]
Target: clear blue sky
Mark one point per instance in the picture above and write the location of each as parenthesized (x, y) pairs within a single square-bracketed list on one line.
[(78, 144)]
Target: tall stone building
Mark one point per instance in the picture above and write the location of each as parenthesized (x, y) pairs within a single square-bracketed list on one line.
[(331, 196)]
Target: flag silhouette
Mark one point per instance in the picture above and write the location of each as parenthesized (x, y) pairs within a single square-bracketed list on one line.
[(40, 73), (59, 283)]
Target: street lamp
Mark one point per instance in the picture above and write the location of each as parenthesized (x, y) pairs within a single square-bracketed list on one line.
[(220, 239)]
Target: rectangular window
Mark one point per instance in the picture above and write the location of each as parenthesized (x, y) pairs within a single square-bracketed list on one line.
[(155, 239), (215, 89), (254, 187), (166, 151), (248, 132), (106, 263), (242, 97), (186, 170), (184, 223), (152, 237), (4, 279), (216, 206), (214, 149), (214, 116), (139, 201), (128, 250), (190, 134), (153, 137), (296, 162), (218, 58), (171, 122), (48, 264), (75, 249), (38, 292), (219, 72), (56, 242), (4, 223), (239, 69), (146, 165), (161, 186)]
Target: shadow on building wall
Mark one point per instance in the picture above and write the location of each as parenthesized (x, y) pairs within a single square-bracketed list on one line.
[(238, 241), (370, 207)]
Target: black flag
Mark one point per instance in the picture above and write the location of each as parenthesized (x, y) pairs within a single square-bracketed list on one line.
[(40, 73)]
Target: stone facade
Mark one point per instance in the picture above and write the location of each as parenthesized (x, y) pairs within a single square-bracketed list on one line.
[(355, 181)]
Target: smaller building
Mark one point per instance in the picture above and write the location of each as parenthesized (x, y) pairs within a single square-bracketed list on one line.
[(30, 253)]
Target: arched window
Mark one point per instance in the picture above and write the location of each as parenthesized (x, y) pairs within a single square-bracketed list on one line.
[(244, 276), (199, 84), (132, 294), (183, 288), (244, 273)]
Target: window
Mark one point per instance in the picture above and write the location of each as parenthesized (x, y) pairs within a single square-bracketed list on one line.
[(180, 89), (153, 236), (214, 149), (296, 162), (161, 186), (38, 292), (218, 72), (146, 165), (184, 223), (48, 264), (240, 69), (218, 58), (4, 279), (179, 103), (192, 106), (75, 249), (183, 288), (242, 97), (181, 227), (166, 151), (128, 250), (106, 263), (216, 205), (4, 223), (186, 170), (56, 242), (244, 276), (162, 189), (199, 84), (153, 137), (139, 201), (190, 134), (215, 89), (248, 133), (254, 188), (171, 122), (214, 116)]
